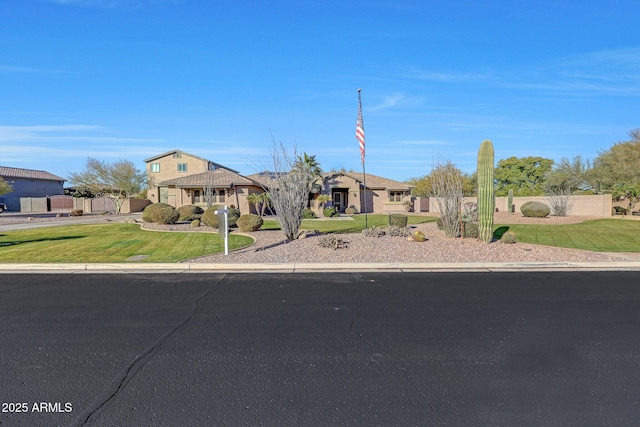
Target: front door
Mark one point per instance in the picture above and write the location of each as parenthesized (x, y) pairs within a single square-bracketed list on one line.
[(164, 195), (338, 201)]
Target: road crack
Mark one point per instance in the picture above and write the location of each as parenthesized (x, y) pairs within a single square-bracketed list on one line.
[(129, 372)]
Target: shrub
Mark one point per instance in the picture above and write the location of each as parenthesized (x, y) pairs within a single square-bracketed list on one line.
[(160, 213), (209, 218), (249, 222), (395, 231), (398, 220), (234, 214), (195, 223), (470, 212), (373, 232), (419, 236), (440, 224), (350, 210), (508, 237), (535, 209), (332, 242), (76, 212), (330, 212), (308, 214), (190, 212), (471, 230), (620, 210)]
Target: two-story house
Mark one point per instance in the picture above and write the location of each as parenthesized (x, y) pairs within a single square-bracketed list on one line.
[(179, 178)]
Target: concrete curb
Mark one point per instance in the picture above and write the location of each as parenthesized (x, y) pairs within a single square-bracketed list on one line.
[(318, 267)]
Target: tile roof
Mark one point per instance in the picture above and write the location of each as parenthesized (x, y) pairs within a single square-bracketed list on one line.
[(220, 178), (373, 181), (8, 172)]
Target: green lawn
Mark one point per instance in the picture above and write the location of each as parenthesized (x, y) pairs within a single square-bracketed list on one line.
[(108, 243), (346, 226), (603, 235)]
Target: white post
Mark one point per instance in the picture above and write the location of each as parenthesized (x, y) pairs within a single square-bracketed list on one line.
[(223, 226)]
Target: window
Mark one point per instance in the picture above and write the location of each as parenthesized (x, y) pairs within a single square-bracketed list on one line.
[(196, 196), (221, 195), (395, 196), (155, 167), (182, 167), (177, 155)]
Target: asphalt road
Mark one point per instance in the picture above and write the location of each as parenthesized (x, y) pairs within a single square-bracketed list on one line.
[(370, 349)]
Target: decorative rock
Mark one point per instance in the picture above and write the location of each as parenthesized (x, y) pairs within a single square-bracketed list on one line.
[(508, 237), (535, 209)]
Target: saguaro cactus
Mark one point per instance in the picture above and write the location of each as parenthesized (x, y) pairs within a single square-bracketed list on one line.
[(510, 201), (486, 198)]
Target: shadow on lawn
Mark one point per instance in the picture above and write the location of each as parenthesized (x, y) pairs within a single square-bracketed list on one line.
[(498, 232), (52, 239)]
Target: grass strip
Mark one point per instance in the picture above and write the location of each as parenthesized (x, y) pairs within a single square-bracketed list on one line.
[(602, 235), (102, 243)]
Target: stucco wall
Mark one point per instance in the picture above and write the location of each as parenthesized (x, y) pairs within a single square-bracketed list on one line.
[(597, 205)]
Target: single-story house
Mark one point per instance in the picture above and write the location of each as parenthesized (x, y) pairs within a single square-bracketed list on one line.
[(29, 183), (347, 189)]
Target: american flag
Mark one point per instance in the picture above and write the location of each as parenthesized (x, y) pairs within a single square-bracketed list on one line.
[(360, 129)]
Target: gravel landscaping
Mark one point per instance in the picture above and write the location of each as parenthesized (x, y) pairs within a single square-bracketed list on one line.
[(271, 247)]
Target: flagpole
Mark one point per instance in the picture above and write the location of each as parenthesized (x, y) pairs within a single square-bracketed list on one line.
[(360, 136)]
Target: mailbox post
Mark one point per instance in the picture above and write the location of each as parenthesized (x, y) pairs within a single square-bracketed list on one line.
[(223, 226)]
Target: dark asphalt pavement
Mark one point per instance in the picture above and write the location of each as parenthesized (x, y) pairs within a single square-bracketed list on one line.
[(369, 349)]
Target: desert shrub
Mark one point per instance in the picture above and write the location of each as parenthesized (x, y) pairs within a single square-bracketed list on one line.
[(395, 231), (249, 222), (234, 214), (535, 209), (308, 214), (508, 237), (470, 212), (209, 217), (373, 232), (419, 236), (330, 212), (471, 230), (160, 213), (195, 223), (332, 241), (620, 210), (76, 212), (189, 212), (350, 210), (440, 224), (560, 202), (398, 220)]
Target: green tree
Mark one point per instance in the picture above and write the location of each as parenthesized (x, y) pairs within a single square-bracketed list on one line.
[(618, 168), (525, 175), (118, 180), (422, 186), (572, 175), (5, 187)]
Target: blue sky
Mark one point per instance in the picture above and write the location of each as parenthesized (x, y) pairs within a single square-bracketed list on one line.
[(130, 79)]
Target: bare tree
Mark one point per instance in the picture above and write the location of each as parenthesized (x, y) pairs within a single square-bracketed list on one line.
[(209, 189), (446, 188), (560, 202), (118, 180), (289, 190)]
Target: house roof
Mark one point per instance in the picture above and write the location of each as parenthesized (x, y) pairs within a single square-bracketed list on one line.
[(8, 172), (373, 181), (217, 165), (219, 178), (264, 178)]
